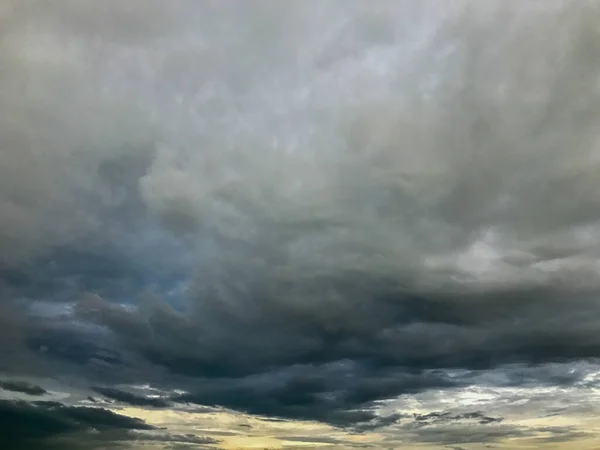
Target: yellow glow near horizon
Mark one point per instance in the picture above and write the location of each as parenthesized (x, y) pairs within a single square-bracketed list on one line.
[(250, 432)]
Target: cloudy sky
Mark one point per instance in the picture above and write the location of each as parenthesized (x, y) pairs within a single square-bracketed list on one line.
[(263, 224)]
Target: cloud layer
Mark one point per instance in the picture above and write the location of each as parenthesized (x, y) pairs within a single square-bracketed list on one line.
[(295, 210)]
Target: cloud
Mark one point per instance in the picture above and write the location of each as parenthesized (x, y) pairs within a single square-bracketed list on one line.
[(558, 434), (494, 433), (132, 399), (25, 425), (180, 438), (450, 435), (53, 425), (324, 441), (436, 417), (296, 211), (22, 386), (311, 393)]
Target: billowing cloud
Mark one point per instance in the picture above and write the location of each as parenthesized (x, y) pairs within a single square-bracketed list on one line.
[(300, 211)]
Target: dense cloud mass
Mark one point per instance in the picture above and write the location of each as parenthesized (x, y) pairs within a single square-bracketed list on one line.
[(23, 387), (24, 425), (295, 209), (51, 425)]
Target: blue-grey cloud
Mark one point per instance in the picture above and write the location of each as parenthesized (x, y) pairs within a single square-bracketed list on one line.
[(53, 425), (25, 425), (23, 387), (298, 211), (129, 398)]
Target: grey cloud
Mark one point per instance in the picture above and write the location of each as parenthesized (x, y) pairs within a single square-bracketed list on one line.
[(53, 425), (343, 399), (23, 387), (559, 434), (449, 435), (437, 417), (180, 446), (132, 399), (325, 441), (179, 438), (333, 205), (25, 425), (493, 433)]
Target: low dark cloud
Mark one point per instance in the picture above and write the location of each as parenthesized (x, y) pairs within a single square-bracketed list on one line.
[(298, 212), (457, 434), (129, 398), (53, 425), (437, 417), (558, 434), (23, 387), (316, 392), (24, 425), (180, 438), (314, 440)]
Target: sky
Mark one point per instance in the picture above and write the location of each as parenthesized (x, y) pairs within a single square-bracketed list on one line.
[(337, 224)]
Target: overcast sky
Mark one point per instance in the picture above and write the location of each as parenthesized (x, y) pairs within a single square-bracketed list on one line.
[(299, 224)]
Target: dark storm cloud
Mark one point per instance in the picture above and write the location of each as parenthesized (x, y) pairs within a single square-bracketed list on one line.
[(334, 395), (73, 346), (23, 387), (52, 425), (294, 210), (23, 425)]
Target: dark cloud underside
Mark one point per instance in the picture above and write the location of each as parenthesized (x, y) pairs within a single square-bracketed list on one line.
[(129, 398), (24, 425), (23, 387), (52, 425)]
